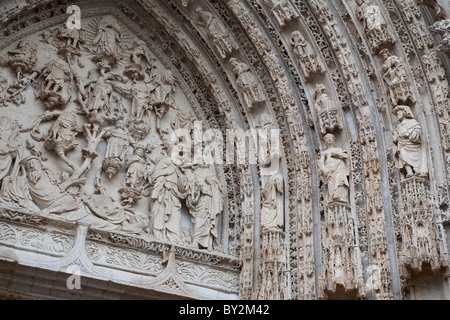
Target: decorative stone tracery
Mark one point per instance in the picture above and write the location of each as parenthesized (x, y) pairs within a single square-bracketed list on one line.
[(100, 141)]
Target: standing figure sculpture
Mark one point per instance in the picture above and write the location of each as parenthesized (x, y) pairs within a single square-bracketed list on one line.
[(10, 146), (216, 30), (410, 154), (167, 189), (248, 83), (374, 24), (327, 110), (205, 203), (334, 169), (272, 203)]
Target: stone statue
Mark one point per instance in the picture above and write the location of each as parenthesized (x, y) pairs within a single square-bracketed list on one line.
[(108, 39), (272, 203), (443, 27), (141, 107), (167, 184), (410, 153), (334, 169), (216, 30), (205, 202), (47, 193), (135, 177), (95, 96), (107, 214), (309, 61), (374, 24), (61, 136), (327, 110), (54, 86), (246, 80), (183, 126), (118, 142), (394, 74), (10, 146), (162, 88), (23, 58), (141, 60), (283, 10), (73, 41)]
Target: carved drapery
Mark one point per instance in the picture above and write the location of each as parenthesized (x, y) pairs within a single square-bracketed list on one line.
[(363, 205)]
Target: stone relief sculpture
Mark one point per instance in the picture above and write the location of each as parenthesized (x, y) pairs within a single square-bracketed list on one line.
[(248, 83), (374, 24), (168, 187), (54, 86), (327, 110), (40, 185), (10, 146), (141, 60), (283, 10), (61, 135), (162, 90), (118, 143), (443, 27), (138, 170), (22, 61), (410, 153), (108, 46), (272, 203), (205, 202), (334, 168), (222, 39), (394, 74), (309, 61)]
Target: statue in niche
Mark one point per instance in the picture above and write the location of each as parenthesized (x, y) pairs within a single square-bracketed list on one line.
[(10, 146), (205, 202), (54, 86), (334, 169), (168, 187), (410, 153), (107, 43), (309, 61), (96, 99), (374, 24), (246, 80), (272, 203), (327, 110), (283, 10), (394, 75), (118, 142), (61, 135), (216, 30), (162, 88), (136, 175)]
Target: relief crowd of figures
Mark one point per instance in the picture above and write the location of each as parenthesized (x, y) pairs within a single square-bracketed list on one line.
[(28, 182)]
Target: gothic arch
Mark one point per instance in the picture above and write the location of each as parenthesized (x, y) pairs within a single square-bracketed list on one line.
[(349, 86)]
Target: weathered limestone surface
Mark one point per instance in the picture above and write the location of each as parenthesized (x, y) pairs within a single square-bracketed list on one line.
[(230, 149)]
